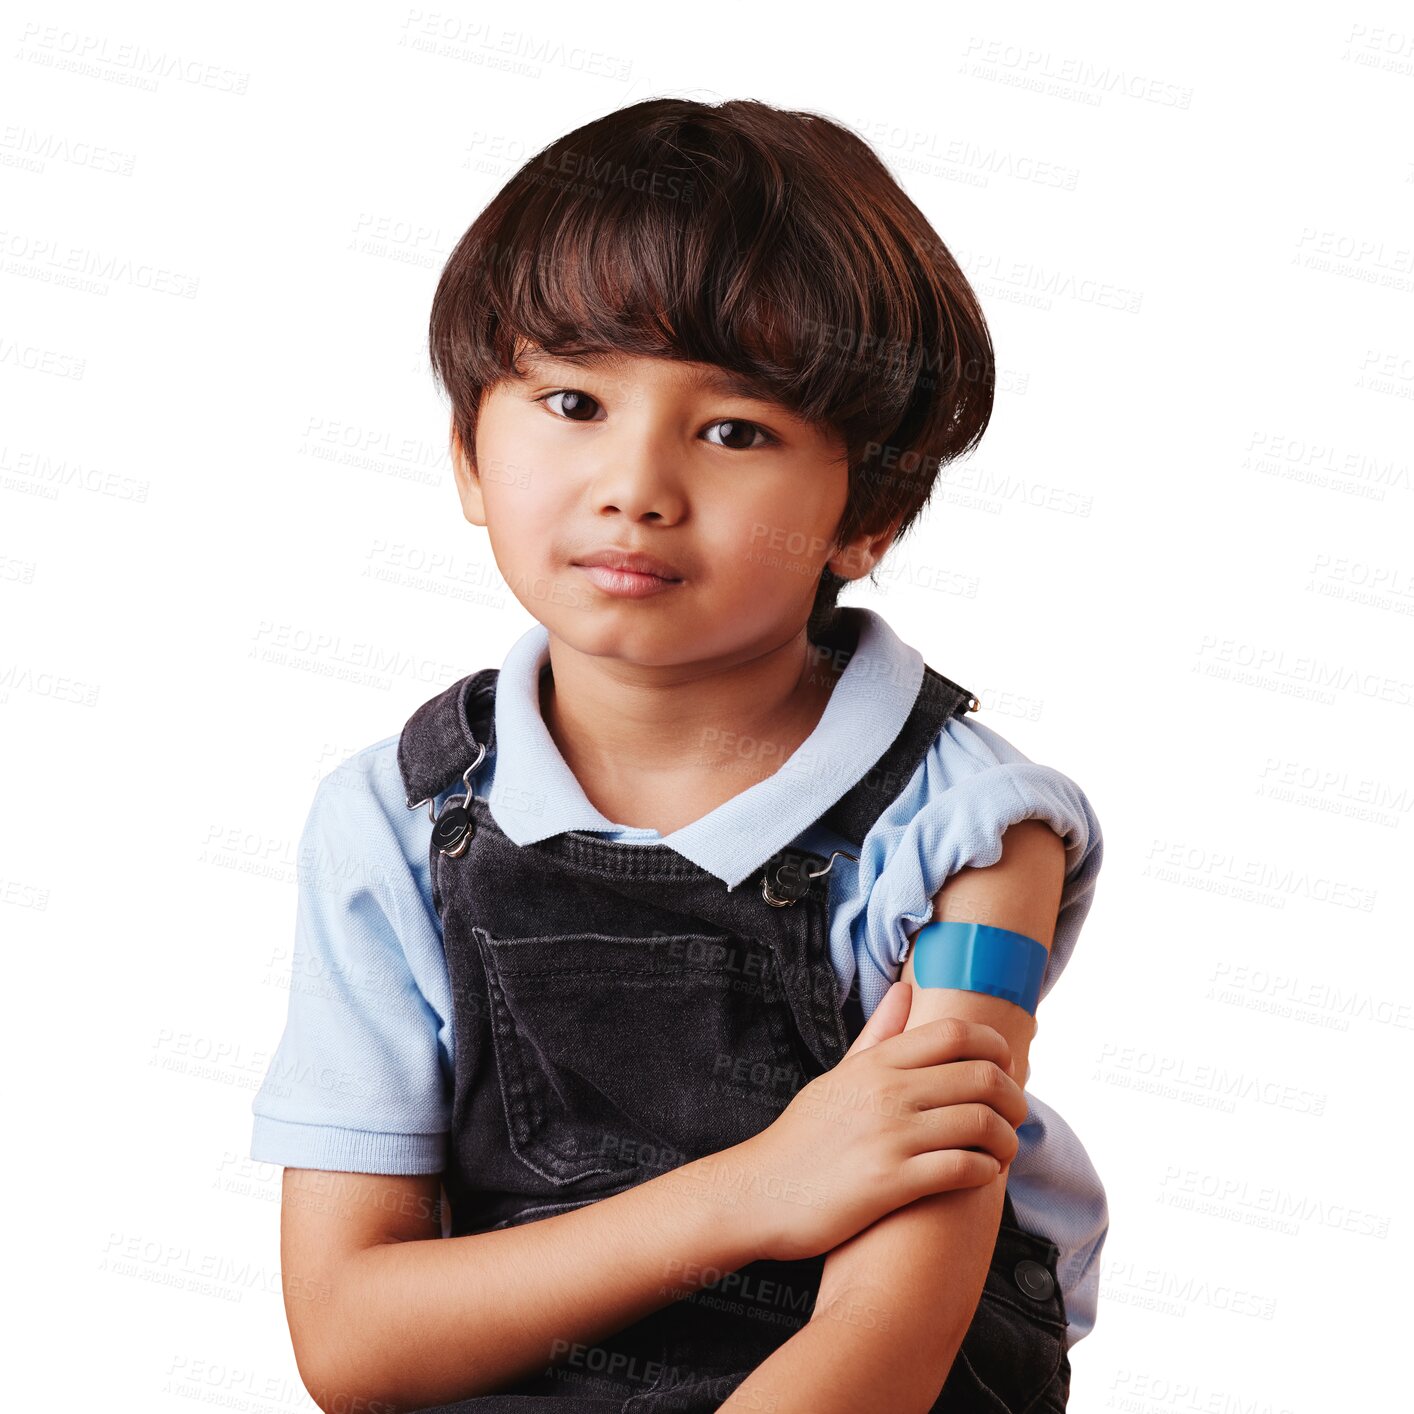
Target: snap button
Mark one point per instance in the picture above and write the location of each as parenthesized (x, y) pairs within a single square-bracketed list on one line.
[(1034, 1280), (454, 829), (790, 884)]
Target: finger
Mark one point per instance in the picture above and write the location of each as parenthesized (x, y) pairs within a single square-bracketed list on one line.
[(970, 1127), (963, 1081), (943, 1170), (888, 1018), (948, 1038)]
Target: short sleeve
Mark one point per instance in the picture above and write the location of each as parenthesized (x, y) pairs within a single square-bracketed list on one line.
[(360, 1081), (971, 786)]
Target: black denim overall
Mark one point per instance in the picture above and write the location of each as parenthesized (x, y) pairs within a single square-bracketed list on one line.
[(618, 1012)]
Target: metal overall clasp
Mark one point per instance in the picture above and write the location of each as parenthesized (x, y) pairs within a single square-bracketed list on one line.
[(789, 881), (453, 828)]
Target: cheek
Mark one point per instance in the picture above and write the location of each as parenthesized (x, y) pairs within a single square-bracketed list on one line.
[(515, 472), (525, 507), (779, 534)]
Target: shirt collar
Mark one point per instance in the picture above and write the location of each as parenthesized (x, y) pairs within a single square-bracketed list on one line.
[(535, 795)]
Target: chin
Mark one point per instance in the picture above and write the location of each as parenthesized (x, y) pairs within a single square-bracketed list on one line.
[(613, 631)]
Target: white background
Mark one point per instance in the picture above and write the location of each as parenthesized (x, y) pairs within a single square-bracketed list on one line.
[(1178, 569)]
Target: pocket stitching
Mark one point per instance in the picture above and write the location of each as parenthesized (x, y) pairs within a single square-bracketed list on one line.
[(508, 1060), (524, 1114), (1028, 1313), (982, 1384), (1044, 1326)]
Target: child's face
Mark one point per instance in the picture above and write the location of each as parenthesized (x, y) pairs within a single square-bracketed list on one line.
[(640, 454)]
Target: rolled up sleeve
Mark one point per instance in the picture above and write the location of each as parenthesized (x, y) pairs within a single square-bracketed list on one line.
[(970, 788)]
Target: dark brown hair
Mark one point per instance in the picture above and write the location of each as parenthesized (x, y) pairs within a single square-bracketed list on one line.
[(769, 242)]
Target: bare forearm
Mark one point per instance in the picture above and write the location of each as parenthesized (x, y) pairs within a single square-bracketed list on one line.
[(847, 1360), (895, 1302), (423, 1322)]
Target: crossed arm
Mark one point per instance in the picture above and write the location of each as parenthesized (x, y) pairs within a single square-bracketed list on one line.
[(380, 1306), (896, 1300)]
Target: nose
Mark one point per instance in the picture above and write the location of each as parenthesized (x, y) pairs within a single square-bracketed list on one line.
[(637, 479)]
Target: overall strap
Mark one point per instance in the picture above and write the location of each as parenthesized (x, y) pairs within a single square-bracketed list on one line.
[(853, 815), (443, 737)]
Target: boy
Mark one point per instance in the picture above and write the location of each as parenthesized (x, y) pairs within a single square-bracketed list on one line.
[(622, 1091)]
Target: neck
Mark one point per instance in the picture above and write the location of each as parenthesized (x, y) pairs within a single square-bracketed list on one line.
[(737, 722)]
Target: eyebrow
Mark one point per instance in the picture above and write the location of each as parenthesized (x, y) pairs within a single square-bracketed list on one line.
[(720, 380)]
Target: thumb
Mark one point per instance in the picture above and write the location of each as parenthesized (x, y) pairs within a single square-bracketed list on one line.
[(888, 1018)]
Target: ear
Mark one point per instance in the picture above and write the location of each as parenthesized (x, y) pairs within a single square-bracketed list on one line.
[(468, 482), (856, 558)]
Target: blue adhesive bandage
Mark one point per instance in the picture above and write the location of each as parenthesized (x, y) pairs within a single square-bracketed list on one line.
[(976, 957)]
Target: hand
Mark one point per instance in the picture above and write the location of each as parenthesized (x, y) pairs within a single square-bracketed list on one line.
[(904, 1114)]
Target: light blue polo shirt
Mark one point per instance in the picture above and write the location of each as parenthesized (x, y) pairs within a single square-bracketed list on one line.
[(361, 1080)]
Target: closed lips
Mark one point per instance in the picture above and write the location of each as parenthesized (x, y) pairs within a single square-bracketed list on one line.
[(632, 562)]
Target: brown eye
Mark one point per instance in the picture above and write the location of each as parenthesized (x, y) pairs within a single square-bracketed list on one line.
[(577, 407), (738, 435)]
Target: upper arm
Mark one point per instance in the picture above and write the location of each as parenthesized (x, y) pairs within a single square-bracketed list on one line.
[(358, 1085), (360, 1079), (932, 1255), (326, 1218), (1021, 892)]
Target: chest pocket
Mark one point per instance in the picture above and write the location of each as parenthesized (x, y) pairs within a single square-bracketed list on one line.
[(635, 1055)]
